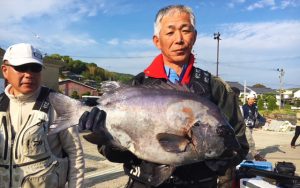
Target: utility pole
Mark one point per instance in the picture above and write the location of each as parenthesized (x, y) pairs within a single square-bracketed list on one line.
[(217, 36), (281, 75), (244, 92)]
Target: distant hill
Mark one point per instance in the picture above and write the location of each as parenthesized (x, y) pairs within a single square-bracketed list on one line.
[(87, 71)]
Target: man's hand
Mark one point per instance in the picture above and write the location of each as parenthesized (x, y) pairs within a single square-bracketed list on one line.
[(94, 121)]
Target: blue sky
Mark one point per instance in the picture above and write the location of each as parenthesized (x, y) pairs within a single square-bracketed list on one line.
[(257, 36)]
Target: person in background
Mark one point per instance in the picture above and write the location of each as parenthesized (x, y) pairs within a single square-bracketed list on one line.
[(297, 131), (174, 35), (29, 157), (251, 115)]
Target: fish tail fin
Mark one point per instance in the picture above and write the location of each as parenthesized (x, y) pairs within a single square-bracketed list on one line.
[(68, 111)]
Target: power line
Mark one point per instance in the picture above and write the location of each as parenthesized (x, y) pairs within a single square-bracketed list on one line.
[(111, 57), (239, 66)]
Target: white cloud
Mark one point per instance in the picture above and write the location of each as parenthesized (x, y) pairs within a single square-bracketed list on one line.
[(289, 3), (17, 10), (273, 5), (51, 20), (255, 41), (280, 36), (71, 10), (114, 42), (249, 49), (232, 3), (262, 4)]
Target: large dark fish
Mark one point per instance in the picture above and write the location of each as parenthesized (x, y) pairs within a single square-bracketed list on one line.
[(164, 126)]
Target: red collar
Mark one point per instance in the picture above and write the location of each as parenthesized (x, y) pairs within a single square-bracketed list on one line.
[(157, 69)]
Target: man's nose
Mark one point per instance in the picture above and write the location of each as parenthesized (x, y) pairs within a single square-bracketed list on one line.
[(179, 38), (28, 74)]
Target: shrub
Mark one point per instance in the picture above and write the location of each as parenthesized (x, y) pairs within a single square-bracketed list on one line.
[(75, 95), (271, 103)]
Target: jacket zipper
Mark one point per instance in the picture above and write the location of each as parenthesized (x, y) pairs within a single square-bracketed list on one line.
[(16, 149), (27, 176), (10, 163), (4, 123)]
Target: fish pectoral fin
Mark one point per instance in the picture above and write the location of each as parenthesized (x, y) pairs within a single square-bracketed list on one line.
[(172, 142)]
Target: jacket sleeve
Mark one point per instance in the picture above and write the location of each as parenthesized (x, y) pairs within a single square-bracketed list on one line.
[(71, 145), (225, 98), (67, 143), (118, 155)]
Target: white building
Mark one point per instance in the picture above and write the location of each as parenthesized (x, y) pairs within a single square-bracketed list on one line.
[(297, 94)]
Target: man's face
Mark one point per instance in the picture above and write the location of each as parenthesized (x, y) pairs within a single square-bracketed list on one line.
[(24, 80), (251, 101), (176, 37)]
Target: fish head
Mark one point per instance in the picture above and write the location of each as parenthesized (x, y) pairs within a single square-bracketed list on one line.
[(197, 130)]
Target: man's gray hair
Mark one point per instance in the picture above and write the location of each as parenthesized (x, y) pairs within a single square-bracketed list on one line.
[(167, 10)]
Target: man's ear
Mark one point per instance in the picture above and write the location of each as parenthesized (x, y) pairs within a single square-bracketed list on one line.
[(195, 37), (156, 41), (4, 71)]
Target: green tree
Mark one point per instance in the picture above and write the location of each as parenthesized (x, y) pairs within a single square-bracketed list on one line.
[(86, 93), (271, 102), (75, 95), (260, 103)]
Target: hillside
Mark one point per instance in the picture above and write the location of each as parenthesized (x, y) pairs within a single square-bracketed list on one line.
[(87, 71)]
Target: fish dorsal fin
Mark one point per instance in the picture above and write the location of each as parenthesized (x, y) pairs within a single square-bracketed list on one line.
[(159, 84)]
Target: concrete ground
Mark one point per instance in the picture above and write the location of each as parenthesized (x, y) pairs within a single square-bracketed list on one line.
[(275, 146)]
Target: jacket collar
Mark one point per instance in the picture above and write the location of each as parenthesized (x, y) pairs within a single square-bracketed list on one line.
[(157, 70)]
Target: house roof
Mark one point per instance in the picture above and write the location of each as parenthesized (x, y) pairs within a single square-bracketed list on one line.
[(237, 85), (79, 83), (258, 90)]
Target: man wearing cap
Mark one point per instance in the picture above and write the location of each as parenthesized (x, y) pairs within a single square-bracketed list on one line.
[(251, 114), (29, 157)]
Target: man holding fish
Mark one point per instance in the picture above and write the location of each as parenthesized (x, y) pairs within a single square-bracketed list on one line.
[(223, 142)]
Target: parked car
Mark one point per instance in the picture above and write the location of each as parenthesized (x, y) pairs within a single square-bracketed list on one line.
[(90, 100)]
